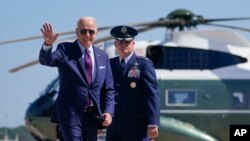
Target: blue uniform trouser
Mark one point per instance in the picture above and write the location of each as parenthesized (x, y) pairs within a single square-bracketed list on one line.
[(86, 130)]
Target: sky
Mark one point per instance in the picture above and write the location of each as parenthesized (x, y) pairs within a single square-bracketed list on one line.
[(24, 18)]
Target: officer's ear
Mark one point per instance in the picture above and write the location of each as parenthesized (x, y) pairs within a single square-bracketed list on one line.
[(115, 42)]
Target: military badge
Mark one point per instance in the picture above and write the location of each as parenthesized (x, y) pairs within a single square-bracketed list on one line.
[(134, 71), (123, 29), (132, 84)]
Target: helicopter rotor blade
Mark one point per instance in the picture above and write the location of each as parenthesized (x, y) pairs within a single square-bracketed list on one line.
[(160, 23), (229, 26), (40, 36), (224, 19), (20, 40), (32, 38), (24, 66)]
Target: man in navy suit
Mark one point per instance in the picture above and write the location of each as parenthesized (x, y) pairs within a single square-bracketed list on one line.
[(137, 109), (86, 90)]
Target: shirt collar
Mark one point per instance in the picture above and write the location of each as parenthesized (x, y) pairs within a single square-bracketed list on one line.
[(83, 48), (126, 59)]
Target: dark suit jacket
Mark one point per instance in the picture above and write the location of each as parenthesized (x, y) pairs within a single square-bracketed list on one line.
[(74, 90), (137, 97)]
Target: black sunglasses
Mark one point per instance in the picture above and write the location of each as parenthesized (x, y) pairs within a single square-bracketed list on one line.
[(84, 31)]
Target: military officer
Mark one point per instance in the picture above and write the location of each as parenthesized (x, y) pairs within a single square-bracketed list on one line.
[(137, 110)]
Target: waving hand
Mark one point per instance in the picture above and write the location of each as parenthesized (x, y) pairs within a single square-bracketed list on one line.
[(48, 35)]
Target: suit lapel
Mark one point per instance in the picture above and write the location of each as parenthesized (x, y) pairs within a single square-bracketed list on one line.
[(80, 71), (97, 63), (81, 68)]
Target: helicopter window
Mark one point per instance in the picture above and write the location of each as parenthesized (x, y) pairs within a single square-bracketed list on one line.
[(44, 104), (181, 97), (238, 100), (171, 58)]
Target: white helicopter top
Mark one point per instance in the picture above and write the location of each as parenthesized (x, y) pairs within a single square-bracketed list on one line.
[(208, 40)]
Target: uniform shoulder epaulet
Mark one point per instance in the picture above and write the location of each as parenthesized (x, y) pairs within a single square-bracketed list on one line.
[(142, 58)]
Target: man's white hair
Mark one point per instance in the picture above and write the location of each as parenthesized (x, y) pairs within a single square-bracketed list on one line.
[(87, 18)]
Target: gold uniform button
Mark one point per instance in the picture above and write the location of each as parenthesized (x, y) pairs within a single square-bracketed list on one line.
[(132, 84)]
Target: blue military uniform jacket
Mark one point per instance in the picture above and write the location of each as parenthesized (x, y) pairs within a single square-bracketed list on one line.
[(74, 89), (137, 96)]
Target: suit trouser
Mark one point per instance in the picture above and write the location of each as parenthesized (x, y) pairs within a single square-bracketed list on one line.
[(86, 130)]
